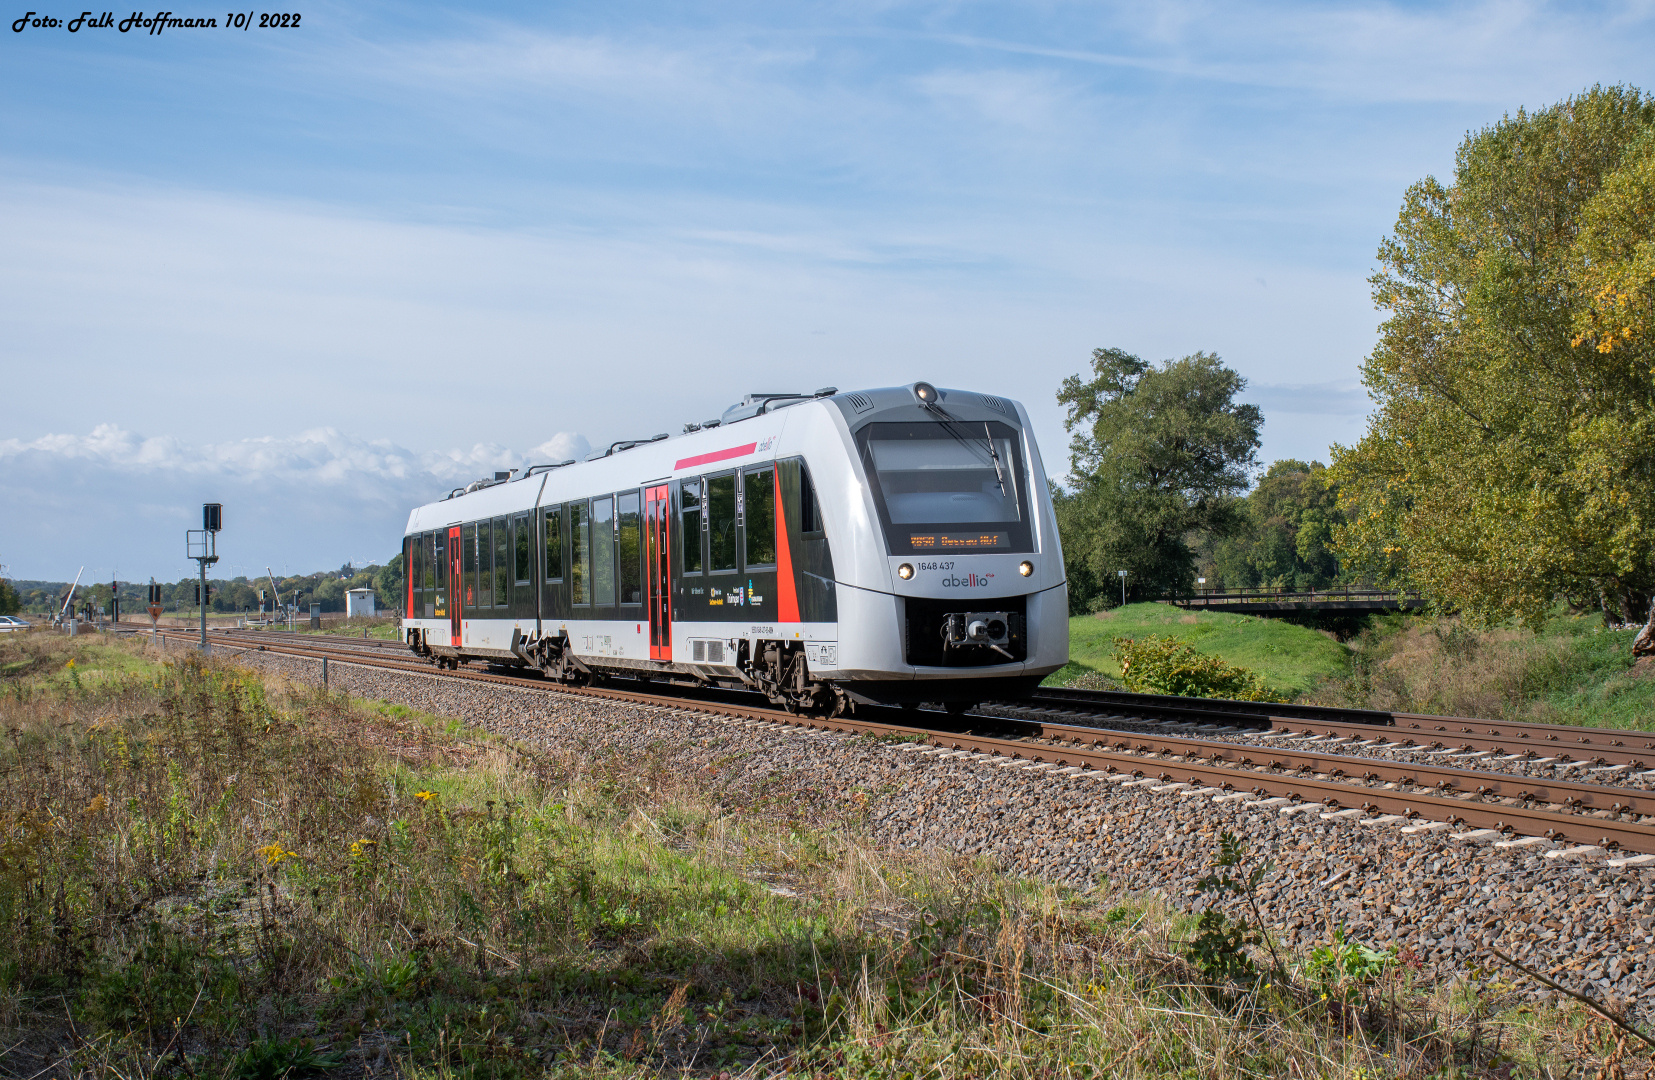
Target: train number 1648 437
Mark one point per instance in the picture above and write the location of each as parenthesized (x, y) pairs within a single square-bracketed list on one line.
[(936, 566)]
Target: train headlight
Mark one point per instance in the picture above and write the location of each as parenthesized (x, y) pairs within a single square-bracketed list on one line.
[(1025, 568), (905, 571), (926, 393)]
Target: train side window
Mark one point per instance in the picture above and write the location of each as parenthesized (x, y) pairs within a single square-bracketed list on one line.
[(721, 521), (502, 563), (468, 566), (603, 551), (689, 520), (441, 560), (758, 488), (525, 547), (629, 548), (810, 511), (485, 564), (426, 543), (554, 544), (580, 568), (416, 548)]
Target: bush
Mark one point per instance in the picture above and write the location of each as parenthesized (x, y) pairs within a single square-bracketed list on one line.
[(1165, 665)]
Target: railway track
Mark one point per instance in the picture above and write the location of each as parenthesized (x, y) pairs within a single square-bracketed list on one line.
[(1567, 817), (1574, 746)]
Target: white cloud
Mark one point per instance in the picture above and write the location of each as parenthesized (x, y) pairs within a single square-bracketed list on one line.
[(118, 502)]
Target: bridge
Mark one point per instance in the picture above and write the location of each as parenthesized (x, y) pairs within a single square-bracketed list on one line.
[(1269, 601)]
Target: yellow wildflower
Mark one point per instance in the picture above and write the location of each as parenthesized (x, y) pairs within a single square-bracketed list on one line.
[(425, 796), (275, 853)]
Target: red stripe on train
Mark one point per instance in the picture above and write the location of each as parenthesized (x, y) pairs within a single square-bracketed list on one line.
[(787, 592), (716, 455)]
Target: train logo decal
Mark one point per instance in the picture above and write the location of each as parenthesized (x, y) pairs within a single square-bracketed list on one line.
[(969, 581)]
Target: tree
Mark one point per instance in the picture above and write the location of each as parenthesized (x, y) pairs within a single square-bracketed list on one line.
[(388, 585), (1157, 453), (10, 603), (1290, 517), (1511, 459)]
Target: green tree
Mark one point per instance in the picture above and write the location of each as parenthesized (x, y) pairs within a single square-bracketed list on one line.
[(388, 585), (10, 602), (1511, 459), (1290, 514), (1157, 454)]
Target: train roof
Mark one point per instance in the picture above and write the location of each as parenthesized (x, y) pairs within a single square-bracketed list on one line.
[(627, 463)]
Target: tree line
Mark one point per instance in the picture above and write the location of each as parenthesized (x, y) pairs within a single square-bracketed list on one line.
[(1509, 463), (225, 595), (1161, 460)]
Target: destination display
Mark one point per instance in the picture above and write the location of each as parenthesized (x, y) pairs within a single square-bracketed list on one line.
[(960, 541)]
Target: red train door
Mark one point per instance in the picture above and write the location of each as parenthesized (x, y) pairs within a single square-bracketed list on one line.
[(658, 568), (455, 585)]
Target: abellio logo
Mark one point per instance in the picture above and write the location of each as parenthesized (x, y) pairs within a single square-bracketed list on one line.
[(970, 581)]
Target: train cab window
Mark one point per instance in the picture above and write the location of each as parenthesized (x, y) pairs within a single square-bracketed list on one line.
[(689, 520), (502, 563), (524, 538), (629, 548), (580, 565), (758, 488), (810, 511), (721, 521), (952, 487), (485, 564), (603, 551), (554, 544)]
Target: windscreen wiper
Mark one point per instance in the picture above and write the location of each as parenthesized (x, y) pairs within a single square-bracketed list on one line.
[(994, 456), (948, 423)]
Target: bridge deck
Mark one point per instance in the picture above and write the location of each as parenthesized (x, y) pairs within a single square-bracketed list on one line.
[(1265, 601)]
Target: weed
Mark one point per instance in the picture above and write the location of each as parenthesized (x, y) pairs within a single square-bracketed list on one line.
[(1164, 665)]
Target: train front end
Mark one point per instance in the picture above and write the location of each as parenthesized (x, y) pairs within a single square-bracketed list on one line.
[(957, 589)]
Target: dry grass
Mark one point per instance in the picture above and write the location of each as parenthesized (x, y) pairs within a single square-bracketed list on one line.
[(1571, 673), (204, 873)]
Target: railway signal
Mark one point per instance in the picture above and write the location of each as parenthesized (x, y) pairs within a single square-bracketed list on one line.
[(154, 606), (202, 546)]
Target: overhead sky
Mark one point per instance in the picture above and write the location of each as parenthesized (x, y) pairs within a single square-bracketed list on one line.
[(323, 273)]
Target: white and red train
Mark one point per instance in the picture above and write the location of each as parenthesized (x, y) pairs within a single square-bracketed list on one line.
[(886, 546)]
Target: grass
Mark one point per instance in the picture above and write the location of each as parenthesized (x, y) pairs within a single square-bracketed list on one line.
[(1290, 657), (205, 873), (385, 628), (1570, 671)]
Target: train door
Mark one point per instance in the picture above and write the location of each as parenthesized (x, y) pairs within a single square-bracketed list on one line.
[(456, 586), (658, 569)]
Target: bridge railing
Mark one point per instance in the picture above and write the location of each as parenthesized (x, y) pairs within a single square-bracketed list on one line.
[(1346, 594)]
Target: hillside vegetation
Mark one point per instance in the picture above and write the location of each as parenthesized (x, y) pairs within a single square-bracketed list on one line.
[(1569, 671), (1288, 657)]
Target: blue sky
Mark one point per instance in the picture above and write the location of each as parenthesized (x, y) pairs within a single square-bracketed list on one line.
[(321, 274)]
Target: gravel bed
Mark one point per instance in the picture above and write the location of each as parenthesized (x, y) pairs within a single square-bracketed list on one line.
[(1441, 900)]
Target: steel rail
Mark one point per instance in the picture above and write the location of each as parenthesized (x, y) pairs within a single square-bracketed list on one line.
[(1335, 795), (1466, 782), (1603, 746), (1355, 718)]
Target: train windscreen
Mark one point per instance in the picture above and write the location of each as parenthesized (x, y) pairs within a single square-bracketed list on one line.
[(948, 486)]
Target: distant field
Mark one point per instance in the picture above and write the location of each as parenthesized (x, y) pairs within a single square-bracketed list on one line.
[(1290, 657)]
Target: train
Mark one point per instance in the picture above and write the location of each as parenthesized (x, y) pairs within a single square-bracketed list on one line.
[(828, 550)]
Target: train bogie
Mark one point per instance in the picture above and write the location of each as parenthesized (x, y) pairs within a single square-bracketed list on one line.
[(891, 546)]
